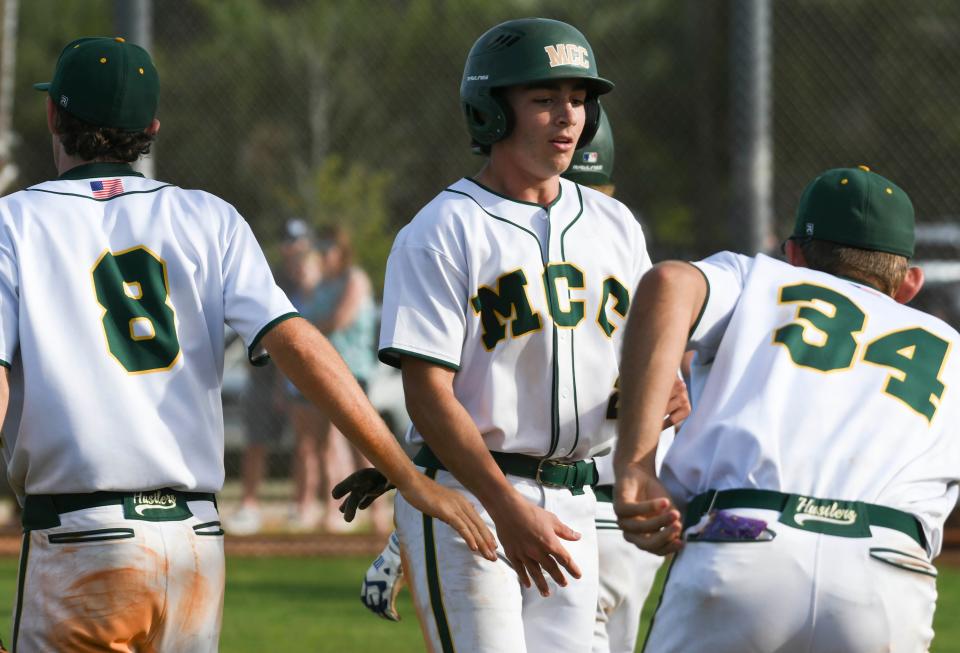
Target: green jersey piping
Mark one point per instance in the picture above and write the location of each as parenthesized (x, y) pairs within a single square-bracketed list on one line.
[(105, 199), (434, 587), (544, 257), (22, 579), (573, 334), (563, 252), (703, 308), (555, 367), (259, 361), (391, 356), (497, 217), (512, 199), (663, 591)]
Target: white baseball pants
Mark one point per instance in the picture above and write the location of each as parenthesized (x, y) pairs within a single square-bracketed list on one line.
[(626, 576), (468, 604), (100, 582), (801, 592)]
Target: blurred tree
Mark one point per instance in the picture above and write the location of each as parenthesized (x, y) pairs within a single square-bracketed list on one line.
[(45, 27), (350, 195), (263, 98), (857, 83)]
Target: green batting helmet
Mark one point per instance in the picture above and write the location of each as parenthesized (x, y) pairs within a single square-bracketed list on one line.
[(592, 165), (524, 51)]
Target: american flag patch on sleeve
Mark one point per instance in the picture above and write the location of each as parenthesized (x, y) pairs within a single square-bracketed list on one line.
[(106, 188)]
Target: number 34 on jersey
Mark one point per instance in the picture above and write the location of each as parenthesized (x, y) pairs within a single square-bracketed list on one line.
[(824, 337)]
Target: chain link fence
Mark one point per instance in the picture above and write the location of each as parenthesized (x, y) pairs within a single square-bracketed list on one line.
[(347, 113)]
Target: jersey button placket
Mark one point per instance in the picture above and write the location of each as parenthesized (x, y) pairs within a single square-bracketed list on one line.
[(564, 358)]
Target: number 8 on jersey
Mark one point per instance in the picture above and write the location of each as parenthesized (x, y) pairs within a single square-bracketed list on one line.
[(138, 321)]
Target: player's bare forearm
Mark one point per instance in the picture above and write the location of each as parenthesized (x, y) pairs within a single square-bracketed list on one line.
[(665, 307), (313, 365), (451, 433), (663, 310), (531, 537)]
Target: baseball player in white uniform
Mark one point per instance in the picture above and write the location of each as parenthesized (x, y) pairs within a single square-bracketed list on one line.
[(626, 573), (503, 305), (820, 460), (114, 292)]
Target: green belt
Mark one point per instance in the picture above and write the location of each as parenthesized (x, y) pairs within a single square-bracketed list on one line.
[(604, 493), (43, 510), (550, 473), (770, 500)]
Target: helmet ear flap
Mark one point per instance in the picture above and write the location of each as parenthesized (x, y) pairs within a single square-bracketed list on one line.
[(591, 121), (489, 118), (505, 110)]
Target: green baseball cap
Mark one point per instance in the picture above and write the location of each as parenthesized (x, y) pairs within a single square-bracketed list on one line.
[(106, 82), (859, 208)]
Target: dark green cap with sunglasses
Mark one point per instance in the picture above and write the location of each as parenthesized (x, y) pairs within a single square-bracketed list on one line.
[(858, 208), (106, 82)]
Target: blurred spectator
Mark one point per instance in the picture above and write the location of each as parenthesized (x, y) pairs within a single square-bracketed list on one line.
[(341, 305), (263, 424), (263, 414), (337, 297)]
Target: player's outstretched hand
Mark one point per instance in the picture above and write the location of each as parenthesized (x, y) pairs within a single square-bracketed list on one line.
[(455, 510), (646, 513), (531, 539), (678, 407), (361, 488)]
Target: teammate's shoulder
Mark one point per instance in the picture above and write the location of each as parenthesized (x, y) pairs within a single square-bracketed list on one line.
[(448, 207), (198, 196), (727, 258), (196, 203), (13, 205), (588, 193), (441, 220), (468, 197), (461, 195), (740, 266), (596, 203), (14, 197)]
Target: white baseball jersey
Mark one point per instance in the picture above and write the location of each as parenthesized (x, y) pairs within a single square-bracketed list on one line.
[(114, 291), (527, 303), (821, 386)]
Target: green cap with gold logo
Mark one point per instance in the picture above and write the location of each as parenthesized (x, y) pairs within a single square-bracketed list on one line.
[(859, 208), (106, 82)]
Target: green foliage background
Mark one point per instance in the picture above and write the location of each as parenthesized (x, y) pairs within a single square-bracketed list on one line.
[(348, 111)]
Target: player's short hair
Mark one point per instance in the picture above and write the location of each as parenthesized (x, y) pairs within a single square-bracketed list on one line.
[(881, 270), (92, 143)]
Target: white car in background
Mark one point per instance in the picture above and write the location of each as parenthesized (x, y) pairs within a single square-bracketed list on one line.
[(938, 255)]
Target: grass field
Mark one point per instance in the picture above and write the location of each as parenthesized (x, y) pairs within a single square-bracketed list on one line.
[(312, 605)]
